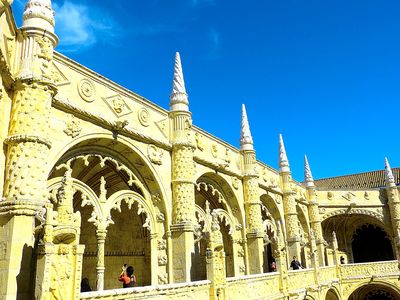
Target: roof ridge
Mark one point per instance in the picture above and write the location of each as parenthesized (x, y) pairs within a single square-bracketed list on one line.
[(355, 174)]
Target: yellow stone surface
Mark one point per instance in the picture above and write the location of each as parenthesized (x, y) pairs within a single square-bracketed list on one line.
[(93, 176)]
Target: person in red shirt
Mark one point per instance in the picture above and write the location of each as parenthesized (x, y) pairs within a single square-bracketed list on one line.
[(127, 277)]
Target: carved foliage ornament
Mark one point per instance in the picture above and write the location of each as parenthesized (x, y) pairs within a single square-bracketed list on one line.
[(155, 154), (73, 127)]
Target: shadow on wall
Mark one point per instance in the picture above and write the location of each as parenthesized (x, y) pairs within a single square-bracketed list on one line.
[(26, 277)]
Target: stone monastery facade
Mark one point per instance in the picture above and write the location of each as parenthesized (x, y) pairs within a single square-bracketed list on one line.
[(93, 176)]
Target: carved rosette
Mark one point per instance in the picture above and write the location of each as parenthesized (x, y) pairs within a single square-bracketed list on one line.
[(144, 117), (28, 146), (183, 186), (86, 90)]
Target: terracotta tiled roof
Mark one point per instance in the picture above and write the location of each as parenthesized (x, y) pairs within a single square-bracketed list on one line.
[(367, 180)]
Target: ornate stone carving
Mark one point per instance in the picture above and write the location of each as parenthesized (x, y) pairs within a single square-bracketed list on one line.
[(87, 90), (160, 217), (118, 105), (155, 154), (163, 278), (246, 140), (144, 117), (228, 155), (162, 260), (161, 245), (73, 127), (235, 183), (45, 56), (39, 9), (156, 198), (214, 150), (199, 141), (349, 196)]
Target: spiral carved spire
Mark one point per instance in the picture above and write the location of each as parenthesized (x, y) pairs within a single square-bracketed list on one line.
[(179, 97), (389, 174), (246, 140), (39, 14), (308, 178), (283, 160)]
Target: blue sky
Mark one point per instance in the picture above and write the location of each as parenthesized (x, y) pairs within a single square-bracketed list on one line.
[(324, 73)]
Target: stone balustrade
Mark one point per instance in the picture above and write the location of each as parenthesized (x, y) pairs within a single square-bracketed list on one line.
[(297, 278), (367, 270), (253, 286), (259, 286), (193, 290)]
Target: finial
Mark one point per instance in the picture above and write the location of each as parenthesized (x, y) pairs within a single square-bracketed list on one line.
[(389, 174), (39, 14), (308, 179), (179, 98), (246, 141), (283, 160)]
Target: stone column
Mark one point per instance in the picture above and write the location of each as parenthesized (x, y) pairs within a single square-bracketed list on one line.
[(280, 256), (394, 206), (313, 212), (100, 267), (291, 220), (289, 204), (255, 242), (215, 259), (252, 202), (183, 199), (28, 149)]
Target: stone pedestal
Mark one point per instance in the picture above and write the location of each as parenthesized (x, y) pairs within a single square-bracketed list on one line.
[(255, 246), (16, 250), (58, 272), (182, 252)]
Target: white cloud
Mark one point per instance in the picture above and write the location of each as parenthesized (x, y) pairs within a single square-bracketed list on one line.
[(79, 27)]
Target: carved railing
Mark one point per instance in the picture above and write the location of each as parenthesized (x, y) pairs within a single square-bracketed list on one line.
[(193, 290), (252, 286), (300, 278), (367, 270), (327, 274)]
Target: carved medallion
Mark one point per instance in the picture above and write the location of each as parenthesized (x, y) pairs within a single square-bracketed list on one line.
[(118, 105), (155, 154), (86, 90), (144, 117)]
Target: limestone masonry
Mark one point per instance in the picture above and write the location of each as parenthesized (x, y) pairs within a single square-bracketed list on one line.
[(93, 176)]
